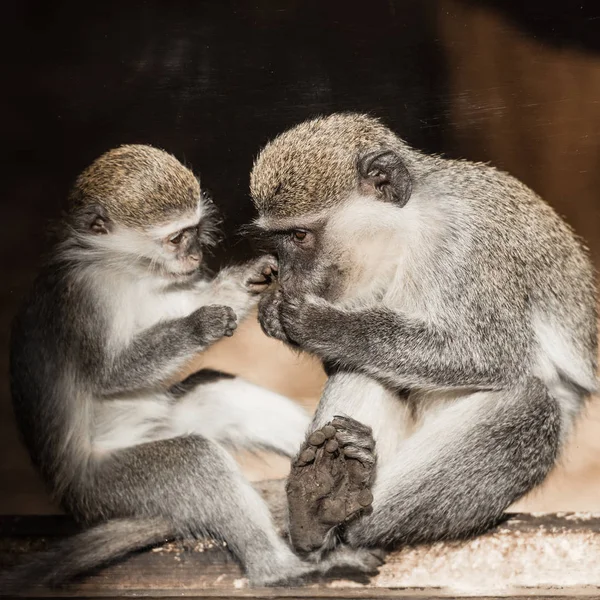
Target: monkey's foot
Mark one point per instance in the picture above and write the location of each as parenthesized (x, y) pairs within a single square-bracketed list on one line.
[(330, 482)]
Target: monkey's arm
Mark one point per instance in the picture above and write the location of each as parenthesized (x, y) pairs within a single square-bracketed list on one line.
[(405, 352), (158, 353), (240, 286)]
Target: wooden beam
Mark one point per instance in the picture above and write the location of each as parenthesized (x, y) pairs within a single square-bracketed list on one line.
[(544, 555)]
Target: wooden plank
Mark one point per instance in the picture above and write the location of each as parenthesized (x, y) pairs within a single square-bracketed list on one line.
[(543, 555)]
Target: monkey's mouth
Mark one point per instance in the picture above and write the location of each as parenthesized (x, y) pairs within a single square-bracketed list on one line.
[(184, 274), (178, 275)]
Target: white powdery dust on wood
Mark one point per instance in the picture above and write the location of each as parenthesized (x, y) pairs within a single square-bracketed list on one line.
[(504, 562)]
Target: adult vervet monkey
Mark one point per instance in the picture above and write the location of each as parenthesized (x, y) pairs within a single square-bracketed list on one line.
[(456, 314)]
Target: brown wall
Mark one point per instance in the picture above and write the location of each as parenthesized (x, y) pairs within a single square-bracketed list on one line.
[(526, 106)]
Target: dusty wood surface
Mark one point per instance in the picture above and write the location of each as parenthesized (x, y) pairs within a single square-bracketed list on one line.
[(552, 555)]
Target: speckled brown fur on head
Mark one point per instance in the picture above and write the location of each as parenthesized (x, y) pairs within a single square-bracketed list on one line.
[(137, 185), (313, 165)]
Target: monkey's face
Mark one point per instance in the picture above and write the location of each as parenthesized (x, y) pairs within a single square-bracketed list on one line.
[(137, 209), (345, 253), (307, 263), (333, 193), (172, 249), (181, 243)]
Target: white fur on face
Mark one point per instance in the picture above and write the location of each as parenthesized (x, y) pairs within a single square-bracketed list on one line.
[(128, 250), (368, 239), (386, 251)]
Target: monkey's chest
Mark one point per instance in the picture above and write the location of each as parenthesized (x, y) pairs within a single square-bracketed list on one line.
[(141, 311)]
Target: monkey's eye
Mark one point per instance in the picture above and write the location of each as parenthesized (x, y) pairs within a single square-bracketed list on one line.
[(176, 239), (206, 195), (299, 236)]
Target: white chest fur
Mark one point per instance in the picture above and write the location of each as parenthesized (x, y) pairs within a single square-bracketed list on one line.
[(136, 305)]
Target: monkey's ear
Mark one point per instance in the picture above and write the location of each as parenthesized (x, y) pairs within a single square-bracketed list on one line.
[(384, 172), (93, 219)]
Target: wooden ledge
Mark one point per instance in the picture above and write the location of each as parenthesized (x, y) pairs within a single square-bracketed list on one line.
[(554, 555)]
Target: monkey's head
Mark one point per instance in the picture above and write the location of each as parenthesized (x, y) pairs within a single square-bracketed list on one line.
[(333, 193), (139, 205)]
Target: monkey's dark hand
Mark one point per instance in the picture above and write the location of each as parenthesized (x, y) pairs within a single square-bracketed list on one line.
[(209, 324), (305, 320), (260, 274), (268, 315)]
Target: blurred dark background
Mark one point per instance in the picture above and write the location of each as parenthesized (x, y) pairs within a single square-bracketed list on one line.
[(508, 81)]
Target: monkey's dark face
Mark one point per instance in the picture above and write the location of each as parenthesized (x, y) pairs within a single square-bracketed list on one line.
[(183, 250), (344, 253), (348, 249), (333, 192), (305, 265)]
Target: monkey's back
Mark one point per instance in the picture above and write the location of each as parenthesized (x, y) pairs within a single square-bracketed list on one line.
[(527, 253), (50, 350)]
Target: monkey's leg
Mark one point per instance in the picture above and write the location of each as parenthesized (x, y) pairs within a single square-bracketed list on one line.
[(243, 415), (196, 485), (457, 475), (367, 401)]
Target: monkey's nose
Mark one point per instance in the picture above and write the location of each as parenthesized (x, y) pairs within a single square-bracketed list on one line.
[(195, 257)]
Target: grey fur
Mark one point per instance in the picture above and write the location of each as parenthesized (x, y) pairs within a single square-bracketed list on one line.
[(495, 306), (97, 342), (463, 490), (145, 362)]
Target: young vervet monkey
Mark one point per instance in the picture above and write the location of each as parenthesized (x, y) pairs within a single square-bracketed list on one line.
[(121, 306), (456, 314)]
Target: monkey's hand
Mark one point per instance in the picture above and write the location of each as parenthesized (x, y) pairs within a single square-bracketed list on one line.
[(260, 274), (269, 317), (209, 324), (240, 286), (305, 320)]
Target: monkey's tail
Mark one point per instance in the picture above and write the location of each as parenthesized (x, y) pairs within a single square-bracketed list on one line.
[(86, 551)]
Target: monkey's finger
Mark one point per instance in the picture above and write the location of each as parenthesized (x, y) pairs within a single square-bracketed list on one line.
[(229, 311), (258, 286), (320, 436), (268, 271), (306, 456), (352, 438), (332, 446), (342, 422), (316, 438), (365, 498), (328, 431), (364, 456), (357, 503)]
